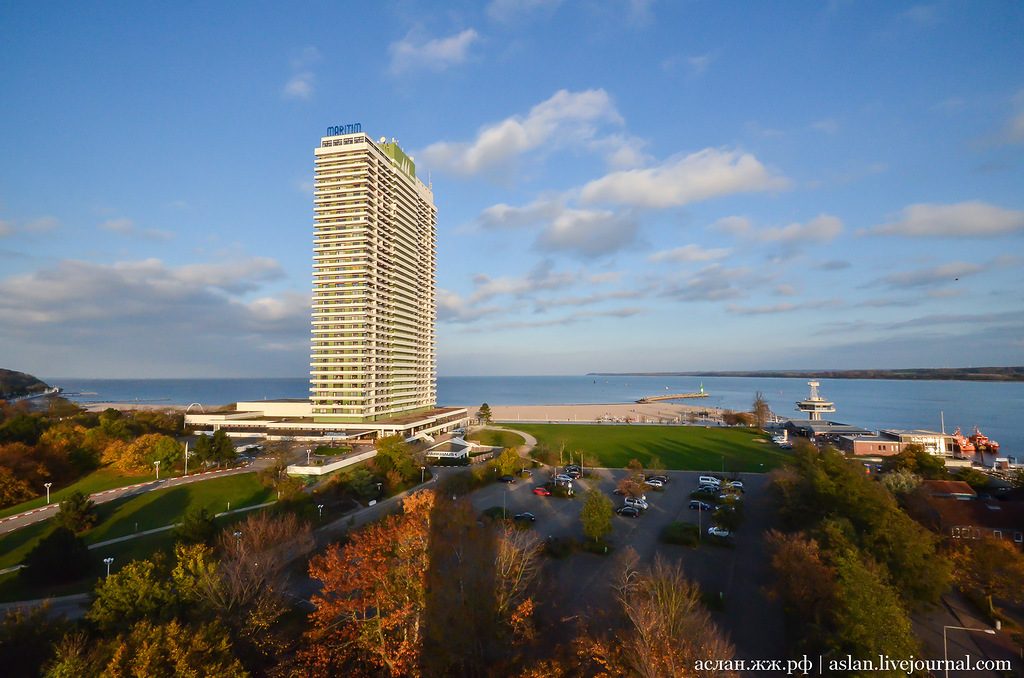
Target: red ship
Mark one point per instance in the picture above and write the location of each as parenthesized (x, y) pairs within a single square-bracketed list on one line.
[(964, 447), (982, 443)]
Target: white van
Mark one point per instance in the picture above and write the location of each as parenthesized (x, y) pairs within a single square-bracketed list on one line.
[(709, 480)]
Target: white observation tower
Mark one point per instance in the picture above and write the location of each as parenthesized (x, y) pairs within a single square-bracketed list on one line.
[(814, 404)]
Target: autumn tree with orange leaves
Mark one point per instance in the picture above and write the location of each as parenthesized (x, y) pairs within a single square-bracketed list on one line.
[(369, 613)]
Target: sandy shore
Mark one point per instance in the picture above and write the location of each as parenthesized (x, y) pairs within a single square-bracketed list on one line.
[(99, 407), (658, 412)]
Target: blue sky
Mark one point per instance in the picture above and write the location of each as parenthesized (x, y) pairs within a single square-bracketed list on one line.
[(621, 186)]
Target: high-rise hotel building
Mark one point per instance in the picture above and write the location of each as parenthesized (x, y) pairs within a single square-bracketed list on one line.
[(374, 282)]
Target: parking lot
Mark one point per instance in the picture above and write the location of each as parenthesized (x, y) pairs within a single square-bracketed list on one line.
[(580, 581)]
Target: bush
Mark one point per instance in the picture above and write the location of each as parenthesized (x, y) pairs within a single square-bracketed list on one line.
[(76, 512), (59, 558), (326, 451), (601, 547), (683, 534), (196, 527), (496, 513), (560, 547)]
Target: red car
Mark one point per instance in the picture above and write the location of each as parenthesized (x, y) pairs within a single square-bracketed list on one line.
[(542, 490)]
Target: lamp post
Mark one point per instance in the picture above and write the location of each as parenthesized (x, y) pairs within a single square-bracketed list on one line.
[(47, 486), (308, 453), (238, 538), (108, 561), (157, 464), (320, 507), (423, 470), (186, 457), (945, 652)]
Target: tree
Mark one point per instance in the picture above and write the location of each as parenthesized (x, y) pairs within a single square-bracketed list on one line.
[(13, 490), (632, 484), (368, 617), (991, 566), (394, 454), (761, 410), (804, 581), (76, 512), (664, 628), (174, 650), (973, 477), (484, 413), (222, 449), (916, 459), (597, 515), (1018, 478), (508, 462), (139, 591), (730, 514), (196, 527), (59, 557), (75, 656), (203, 449), (868, 618), (168, 451), (26, 640)]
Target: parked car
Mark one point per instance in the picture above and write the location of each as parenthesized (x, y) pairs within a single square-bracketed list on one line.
[(543, 491), (527, 517), (651, 482), (709, 480), (526, 473), (637, 502), (717, 531), (710, 489), (628, 511), (663, 478), (562, 478), (573, 467), (698, 505), (733, 486), (507, 479)]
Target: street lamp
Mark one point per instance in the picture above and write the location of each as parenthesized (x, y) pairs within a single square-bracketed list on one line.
[(238, 538), (945, 652), (108, 561), (157, 464), (308, 453), (47, 486), (320, 507), (423, 470)]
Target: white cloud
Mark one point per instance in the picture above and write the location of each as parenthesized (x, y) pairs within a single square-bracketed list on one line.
[(681, 180), (785, 307), (971, 219), (932, 275), (712, 283), (565, 117), (822, 228), (42, 224), (99, 298), (435, 55), (690, 254), (125, 226), (828, 126), (299, 86), (588, 233)]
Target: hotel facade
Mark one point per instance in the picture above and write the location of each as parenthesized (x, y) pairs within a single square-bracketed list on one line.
[(374, 305), (374, 283)]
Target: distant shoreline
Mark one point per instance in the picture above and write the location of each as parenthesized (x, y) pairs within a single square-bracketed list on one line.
[(1005, 374)]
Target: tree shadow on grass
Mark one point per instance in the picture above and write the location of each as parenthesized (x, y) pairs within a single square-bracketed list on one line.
[(126, 516)]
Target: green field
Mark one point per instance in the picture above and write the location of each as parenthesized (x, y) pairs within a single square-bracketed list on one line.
[(146, 511), (97, 481), (690, 448), (496, 438)]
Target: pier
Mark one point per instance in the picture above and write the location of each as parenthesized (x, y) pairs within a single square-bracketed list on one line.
[(675, 396)]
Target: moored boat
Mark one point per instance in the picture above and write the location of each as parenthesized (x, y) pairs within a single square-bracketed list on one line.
[(982, 443)]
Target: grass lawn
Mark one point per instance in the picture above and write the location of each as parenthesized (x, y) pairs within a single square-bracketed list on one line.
[(496, 438), (152, 509), (12, 588), (97, 481), (691, 448)]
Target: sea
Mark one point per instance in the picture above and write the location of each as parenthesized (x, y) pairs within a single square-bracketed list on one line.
[(995, 407)]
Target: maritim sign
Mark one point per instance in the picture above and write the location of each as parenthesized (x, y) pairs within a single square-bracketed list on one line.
[(351, 128)]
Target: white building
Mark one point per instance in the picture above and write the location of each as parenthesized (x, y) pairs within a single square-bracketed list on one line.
[(374, 282), (373, 356)]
